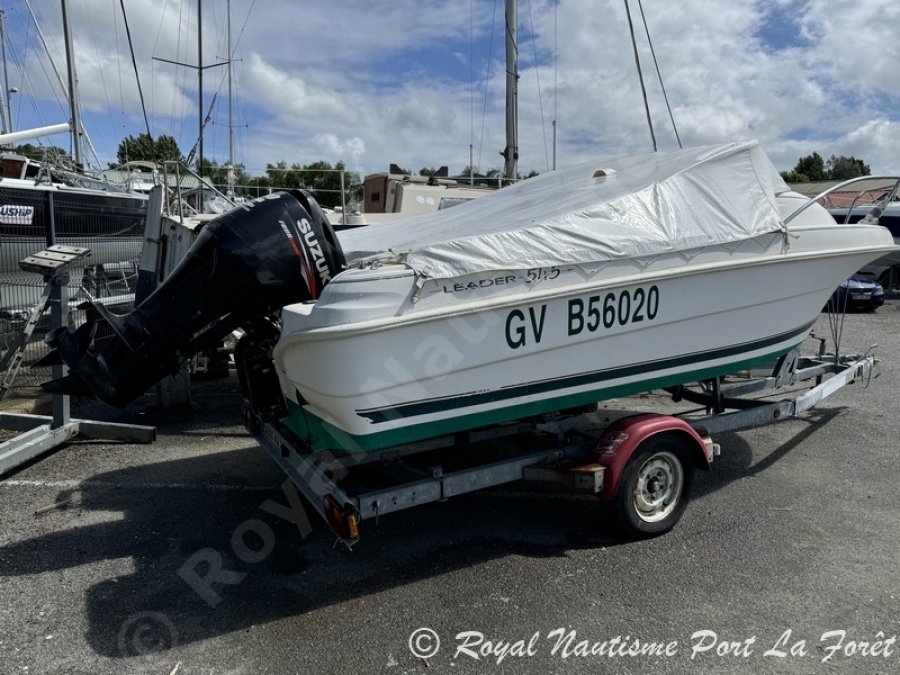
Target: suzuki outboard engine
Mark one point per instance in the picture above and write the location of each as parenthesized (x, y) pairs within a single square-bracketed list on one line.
[(244, 265)]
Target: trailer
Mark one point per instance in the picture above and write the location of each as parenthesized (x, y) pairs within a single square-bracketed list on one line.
[(641, 464)]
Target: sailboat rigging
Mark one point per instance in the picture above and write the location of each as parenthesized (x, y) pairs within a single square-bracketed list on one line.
[(42, 204)]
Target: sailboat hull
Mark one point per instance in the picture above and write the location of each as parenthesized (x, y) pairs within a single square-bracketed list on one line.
[(111, 225)]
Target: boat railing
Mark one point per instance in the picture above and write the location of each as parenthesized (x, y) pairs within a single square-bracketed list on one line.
[(177, 204), (877, 206)]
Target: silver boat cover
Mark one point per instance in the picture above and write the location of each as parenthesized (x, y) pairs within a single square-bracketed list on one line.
[(630, 207)]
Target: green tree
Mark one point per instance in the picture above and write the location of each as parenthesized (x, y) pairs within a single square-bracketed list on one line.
[(794, 177), (844, 168), (144, 148), (257, 186), (282, 176), (812, 166), (320, 178), (218, 175), (42, 153)]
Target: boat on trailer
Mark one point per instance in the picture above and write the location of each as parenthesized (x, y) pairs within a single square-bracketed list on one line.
[(567, 289), (580, 285)]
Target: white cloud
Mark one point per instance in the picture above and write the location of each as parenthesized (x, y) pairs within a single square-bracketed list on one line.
[(351, 150), (379, 82), (856, 43), (876, 141)]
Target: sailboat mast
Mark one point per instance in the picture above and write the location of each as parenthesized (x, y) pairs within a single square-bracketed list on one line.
[(200, 68), (5, 107), (200, 86), (511, 152), (229, 169), (73, 88)]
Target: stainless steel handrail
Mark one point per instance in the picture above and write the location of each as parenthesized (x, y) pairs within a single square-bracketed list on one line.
[(839, 188)]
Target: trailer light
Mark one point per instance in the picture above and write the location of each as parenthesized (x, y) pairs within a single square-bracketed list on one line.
[(343, 520)]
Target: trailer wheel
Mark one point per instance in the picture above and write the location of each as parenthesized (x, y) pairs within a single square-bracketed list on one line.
[(654, 488)]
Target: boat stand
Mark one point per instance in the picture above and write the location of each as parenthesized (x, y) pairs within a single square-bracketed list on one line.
[(43, 433)]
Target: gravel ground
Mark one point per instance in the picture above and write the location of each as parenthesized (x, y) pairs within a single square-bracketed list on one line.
[(786, 561)]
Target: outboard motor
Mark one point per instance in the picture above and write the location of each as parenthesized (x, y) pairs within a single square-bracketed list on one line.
[(244, 265)]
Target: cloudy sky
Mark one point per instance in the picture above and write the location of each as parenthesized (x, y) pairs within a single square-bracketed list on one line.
[(417, 82)]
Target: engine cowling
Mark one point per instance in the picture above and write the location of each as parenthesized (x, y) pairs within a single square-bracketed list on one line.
[(246, 264)]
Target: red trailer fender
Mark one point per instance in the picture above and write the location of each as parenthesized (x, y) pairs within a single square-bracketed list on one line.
[(623, 437)]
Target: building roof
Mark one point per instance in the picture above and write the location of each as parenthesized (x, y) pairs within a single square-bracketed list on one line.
[(869, 190)]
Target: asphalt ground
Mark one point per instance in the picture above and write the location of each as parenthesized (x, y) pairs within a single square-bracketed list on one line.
[(787, 559)]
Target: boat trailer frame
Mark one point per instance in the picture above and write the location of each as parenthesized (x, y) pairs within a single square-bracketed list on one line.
[(584, 461)]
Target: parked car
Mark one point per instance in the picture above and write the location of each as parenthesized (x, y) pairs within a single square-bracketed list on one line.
[(859, 292)]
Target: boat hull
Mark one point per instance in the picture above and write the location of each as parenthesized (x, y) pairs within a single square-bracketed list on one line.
[(516, 355)]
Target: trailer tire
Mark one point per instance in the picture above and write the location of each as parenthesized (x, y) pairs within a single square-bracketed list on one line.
[(654, 487)]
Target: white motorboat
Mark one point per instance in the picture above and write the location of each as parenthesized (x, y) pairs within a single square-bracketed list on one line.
[(573, 287), (567, 289)]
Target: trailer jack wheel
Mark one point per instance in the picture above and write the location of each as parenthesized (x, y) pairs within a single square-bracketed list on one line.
[(654, 487)]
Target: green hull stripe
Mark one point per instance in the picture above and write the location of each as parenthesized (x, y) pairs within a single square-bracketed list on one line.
[(436, 405), (321, 434)]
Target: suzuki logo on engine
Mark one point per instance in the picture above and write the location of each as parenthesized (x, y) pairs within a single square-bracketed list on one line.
[(309, 237)]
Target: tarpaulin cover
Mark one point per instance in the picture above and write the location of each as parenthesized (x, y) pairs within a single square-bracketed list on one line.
[(641, 206)]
